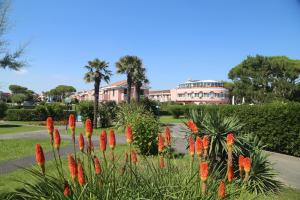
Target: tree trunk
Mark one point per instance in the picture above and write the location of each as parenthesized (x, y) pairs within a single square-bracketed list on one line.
[(129, 82), (96, 99), (138, 91)]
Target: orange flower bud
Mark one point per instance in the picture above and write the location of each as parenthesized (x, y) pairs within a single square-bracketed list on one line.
[(205, 142), (97, 165), (241, 162), (50, 125), (230, 173), (247, 164), (192, 126), (129, 134), (222, 190), (81, 142), (56, 139), (192, 146), (72, 122), (88, 128), (103, 140), (199, 146), (81, 176), (134, 156), (161, 162), (167, 136), (67, 190), (160, 143), (40, 158), (203, 171), (230, 139), (72, 167), (112, 139)]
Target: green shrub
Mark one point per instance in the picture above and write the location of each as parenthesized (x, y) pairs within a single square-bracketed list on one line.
[(144, 124), (86, 110), (3, 108), (176, 110)]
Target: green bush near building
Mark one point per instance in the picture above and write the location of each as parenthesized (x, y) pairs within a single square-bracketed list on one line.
[(3, 108)]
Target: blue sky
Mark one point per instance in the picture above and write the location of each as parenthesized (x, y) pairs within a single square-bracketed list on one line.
[(177, 39)]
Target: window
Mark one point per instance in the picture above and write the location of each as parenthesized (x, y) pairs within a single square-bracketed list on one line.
[(125, 91)]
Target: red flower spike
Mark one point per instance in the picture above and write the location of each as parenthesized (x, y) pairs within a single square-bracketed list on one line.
[(81, 142), (67, 190), (230, 139), (81, 176), (230, 174), (112, 139), (205, 142), (222, 190), (88, 128), (72, 122), (192, 126), (50, 125), (134, 156), (72, 167), (167, 136), (56, 139), (203, 171), (103, 140), (40, 158), (247, 164), (97, 165), (160, 143), (199, 146), (129, 134), (241, 162), (192, 146)]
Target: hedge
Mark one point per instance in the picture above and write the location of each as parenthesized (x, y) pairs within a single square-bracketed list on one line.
[(277, 125), (3, 108)]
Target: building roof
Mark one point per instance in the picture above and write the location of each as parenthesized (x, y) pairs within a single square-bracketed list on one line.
[(118, 83), (159, 91)]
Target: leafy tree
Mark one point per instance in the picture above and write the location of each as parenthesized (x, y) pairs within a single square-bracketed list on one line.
[(60, 92), (7, 59), (18, 98), (262, 79), (97, 71), (20, 94), (17, 89), (127, 65)]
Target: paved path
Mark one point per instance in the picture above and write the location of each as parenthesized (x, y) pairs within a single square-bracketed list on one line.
[(288, 167)]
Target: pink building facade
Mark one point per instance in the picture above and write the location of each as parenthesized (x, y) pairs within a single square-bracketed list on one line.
[(196, 92)]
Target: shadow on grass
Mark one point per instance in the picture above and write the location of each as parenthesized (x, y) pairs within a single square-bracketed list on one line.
[(9, 125)]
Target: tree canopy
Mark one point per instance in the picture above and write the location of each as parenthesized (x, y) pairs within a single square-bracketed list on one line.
[(61, 91), (21, 94), (262, 79)]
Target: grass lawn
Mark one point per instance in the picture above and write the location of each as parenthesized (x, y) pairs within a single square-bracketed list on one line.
[(6, 128), (17, 148), (170, 119)]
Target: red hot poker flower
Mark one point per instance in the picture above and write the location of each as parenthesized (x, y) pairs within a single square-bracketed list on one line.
[(203, 171), (50, 125), (129, 134), (192, 146), (205, 142), (72, 167), (230, 139), (167, 136), (72, 122), (97, 165), (103, 140), (56, 139), (160, 143), (222, 190), (112, 139), (81, 176), (241, 162), (199, 146), (161, 162), (81, 142), (67, 190), (40, 158), (88, 128), (247, 164), (134, 156), (230, 173), (192, 126)]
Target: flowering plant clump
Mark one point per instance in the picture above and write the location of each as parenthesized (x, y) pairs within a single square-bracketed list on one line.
[(88, 174)]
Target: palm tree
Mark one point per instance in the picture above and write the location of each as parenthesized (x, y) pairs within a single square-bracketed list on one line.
[(97, 71), (126, 65), (139, 78)]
